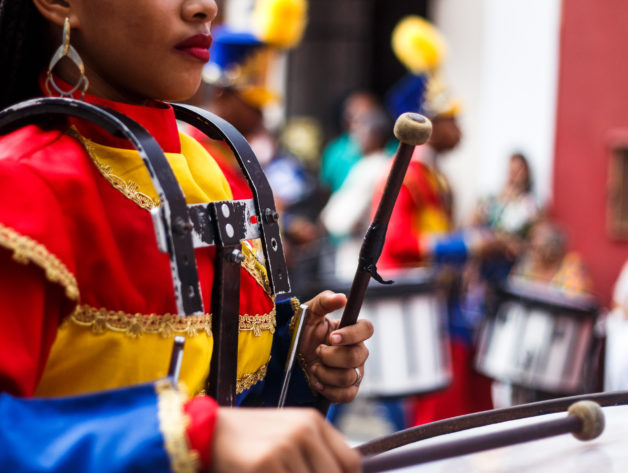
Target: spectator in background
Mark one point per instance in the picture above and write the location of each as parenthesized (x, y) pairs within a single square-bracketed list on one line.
[(509, 215), (546, 261), (346, 215), (546, 267), (514, 209), (343, 153)]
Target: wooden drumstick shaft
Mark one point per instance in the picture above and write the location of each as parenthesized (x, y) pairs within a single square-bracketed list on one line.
[(374, 238), (585, 421), (411, 129), (479, 419)]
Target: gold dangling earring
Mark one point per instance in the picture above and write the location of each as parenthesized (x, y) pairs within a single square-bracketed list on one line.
[(66, 50)]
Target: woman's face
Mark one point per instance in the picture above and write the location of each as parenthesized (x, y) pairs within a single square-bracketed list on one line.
[(518, 173), (446, 134), (139, 49), (545, 247)]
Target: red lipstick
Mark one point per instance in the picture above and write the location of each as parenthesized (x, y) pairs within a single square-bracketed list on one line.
[(196, 46)]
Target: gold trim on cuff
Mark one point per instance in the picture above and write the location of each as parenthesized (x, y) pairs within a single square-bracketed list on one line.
[(26, 250), (172, 424)]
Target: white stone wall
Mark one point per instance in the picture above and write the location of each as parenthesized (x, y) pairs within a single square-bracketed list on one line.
[(503, 64)]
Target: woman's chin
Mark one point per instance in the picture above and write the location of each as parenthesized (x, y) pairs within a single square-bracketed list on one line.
[(183, 92)]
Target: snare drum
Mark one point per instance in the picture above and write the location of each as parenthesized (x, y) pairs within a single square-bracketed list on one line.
[(409, 350), (539, 339)]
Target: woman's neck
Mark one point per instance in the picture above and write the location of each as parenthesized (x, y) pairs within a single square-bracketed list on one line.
[(98, 86)]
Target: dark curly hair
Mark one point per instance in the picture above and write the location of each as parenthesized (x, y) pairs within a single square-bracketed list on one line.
[(24, 50)]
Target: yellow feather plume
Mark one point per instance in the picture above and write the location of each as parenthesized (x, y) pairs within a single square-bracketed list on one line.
[(418, 44), (280, 23)]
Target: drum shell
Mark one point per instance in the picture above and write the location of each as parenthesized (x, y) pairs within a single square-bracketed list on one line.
[(409, 350), (538, 340)]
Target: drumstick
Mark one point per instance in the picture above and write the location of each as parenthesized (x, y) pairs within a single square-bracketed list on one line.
[(411, 129), (479, 419), (585, 420)]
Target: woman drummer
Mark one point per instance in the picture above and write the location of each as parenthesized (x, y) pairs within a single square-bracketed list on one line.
[(86, 298)]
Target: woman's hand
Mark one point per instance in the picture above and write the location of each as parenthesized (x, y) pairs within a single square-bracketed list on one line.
[(333, 358), (279, 441)]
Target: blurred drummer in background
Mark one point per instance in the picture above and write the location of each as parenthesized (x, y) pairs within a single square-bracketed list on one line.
[(240, 85), (420, 232), (235, 88)]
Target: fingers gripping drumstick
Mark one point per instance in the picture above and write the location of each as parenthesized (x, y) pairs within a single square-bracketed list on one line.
[(411, 129)]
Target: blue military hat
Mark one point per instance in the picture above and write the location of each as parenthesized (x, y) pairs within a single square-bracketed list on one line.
[(421, 48), (231, 47), (245, 59), (407, 95)]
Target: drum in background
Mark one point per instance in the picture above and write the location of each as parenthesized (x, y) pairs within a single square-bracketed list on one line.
[(540, 339), (409, 350)]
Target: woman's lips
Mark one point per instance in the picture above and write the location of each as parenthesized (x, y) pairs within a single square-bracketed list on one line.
[(196, 46)]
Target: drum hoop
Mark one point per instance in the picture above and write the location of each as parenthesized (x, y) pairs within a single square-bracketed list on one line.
[(552, 300)]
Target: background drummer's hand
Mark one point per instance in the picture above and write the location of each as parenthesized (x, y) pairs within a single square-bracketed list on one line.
[(279, 441), (334, 358)]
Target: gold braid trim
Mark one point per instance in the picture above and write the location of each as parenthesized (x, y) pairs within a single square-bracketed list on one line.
[(26, 250), (172, 424), (255, 269), (166, 325), (257, 323), (296, 307), (248, 380), (129, 189), (135, 325)]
